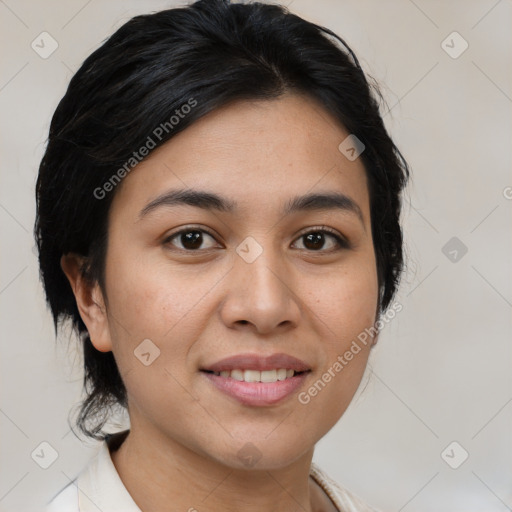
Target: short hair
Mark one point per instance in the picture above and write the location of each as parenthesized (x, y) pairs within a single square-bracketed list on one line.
[(211, 52)]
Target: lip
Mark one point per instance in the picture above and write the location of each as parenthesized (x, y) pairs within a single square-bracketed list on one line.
[(257, 362), (257, 393)]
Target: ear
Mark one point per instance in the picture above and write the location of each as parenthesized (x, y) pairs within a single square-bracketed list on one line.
[(375, 339), (89, 300)]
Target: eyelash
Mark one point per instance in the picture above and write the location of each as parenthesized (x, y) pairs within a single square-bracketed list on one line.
[(342, 242)]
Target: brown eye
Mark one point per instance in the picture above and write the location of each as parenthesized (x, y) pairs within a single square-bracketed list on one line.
[(189, 239), (316, 240)]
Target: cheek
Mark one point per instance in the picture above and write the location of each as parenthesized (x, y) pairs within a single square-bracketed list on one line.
[(152, 300), (346, 311), (148, 297), (347, 299), (149, 302)]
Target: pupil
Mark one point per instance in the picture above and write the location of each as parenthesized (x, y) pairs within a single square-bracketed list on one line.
[(192, 239), (315, 239)]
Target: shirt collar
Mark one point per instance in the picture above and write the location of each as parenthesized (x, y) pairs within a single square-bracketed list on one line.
[(99, 486)]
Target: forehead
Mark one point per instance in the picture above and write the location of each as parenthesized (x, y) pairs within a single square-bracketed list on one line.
[(258, 154)]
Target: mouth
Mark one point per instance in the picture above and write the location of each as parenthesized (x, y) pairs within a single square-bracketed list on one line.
[(257, 375), (254, 380)]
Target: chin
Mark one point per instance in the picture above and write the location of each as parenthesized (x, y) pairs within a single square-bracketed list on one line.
[(257, 453)]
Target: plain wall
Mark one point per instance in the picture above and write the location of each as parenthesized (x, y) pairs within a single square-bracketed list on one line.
[(441, 369)]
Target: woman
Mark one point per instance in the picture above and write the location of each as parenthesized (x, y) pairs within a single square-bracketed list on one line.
[(218, 215)]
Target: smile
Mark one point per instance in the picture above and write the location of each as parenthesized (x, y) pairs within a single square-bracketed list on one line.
[(256, 379), (258, 376)]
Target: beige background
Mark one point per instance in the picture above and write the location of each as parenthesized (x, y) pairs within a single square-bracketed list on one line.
[(442, 368)]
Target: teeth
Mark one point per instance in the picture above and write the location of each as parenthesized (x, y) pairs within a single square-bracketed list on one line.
[(252, 376), (281, 374), (269, 376), (257, 376), (237, 374)]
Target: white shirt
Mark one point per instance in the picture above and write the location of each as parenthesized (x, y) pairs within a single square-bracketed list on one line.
[(99, 488)]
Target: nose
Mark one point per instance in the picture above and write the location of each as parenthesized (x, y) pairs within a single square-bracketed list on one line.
[(261, 295)]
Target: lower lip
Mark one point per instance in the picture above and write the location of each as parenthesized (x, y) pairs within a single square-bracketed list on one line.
[(257, 393)]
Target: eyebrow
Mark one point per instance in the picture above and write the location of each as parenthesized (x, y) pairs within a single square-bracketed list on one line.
[(212, 201)]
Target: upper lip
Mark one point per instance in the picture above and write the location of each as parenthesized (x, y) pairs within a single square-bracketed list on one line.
[(258, 362)]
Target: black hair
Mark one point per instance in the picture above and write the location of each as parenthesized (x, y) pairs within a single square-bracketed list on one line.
[(204, 55)]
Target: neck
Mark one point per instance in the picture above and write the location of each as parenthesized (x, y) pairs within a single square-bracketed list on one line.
[(159, 472)]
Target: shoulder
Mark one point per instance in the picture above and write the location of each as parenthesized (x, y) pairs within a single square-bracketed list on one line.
[(97, 487), (68, 498), (344, 500), (65, 501)]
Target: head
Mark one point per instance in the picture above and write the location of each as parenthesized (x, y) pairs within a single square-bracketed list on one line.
[(173, 231)]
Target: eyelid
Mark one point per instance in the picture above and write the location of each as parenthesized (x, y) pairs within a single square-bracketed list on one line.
[(340, 239), (329, 230), (185, 229)]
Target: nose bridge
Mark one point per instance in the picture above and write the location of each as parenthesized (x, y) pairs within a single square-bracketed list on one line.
[(259, 292), (260, 265)]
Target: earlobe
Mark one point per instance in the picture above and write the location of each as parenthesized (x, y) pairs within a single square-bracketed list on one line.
[(89, 300)]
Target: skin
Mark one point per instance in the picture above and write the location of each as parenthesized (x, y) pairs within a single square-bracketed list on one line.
[(199, 307)]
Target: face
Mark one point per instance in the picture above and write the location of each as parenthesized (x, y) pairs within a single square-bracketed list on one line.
[(241, 290)]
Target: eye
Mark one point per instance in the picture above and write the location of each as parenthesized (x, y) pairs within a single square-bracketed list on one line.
[(190, 239), (315, 240)]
